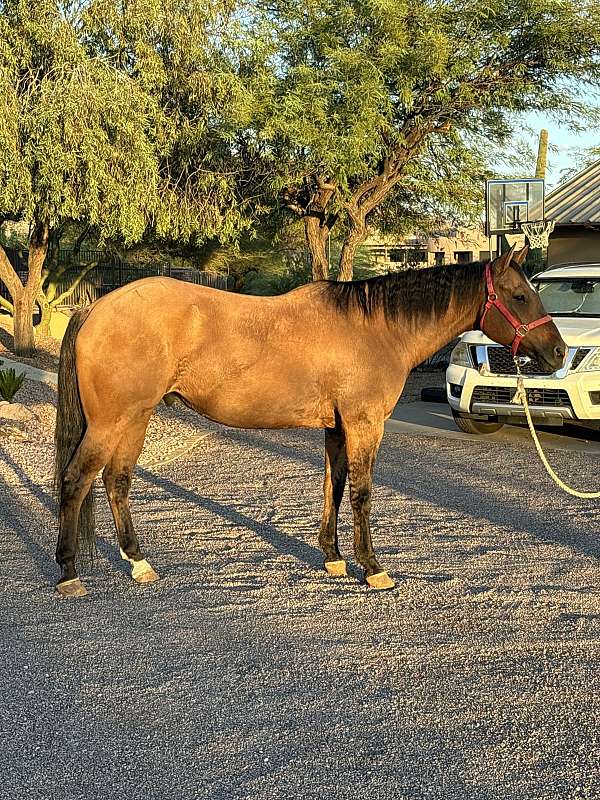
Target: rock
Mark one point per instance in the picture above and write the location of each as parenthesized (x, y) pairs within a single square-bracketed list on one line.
[(11, 432), (16, 412)]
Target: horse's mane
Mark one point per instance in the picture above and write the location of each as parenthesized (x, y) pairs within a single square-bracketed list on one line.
[(413, 293)]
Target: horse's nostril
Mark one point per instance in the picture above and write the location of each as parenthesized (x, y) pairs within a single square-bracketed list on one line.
[(559, 352)]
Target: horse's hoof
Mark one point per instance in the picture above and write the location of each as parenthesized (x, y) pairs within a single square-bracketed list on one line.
[(146, 577), (71, 588), (337, 569), (381, 580), (142, 572)]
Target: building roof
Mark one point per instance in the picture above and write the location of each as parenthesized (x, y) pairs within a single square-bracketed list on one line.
[(577, 201)]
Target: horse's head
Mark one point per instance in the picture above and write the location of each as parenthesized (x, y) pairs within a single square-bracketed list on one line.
[(514, 315)]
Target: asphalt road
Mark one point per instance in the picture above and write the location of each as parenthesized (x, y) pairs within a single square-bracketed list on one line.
[(246, 673), (435, 419)]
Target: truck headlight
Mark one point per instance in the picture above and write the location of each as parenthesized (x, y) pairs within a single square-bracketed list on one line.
[(592, 362), (461, 356)]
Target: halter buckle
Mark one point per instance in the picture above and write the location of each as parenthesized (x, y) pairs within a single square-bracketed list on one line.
[(522, 330), (492, 297)]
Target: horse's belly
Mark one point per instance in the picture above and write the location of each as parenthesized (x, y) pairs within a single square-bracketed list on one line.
[(240, 410)]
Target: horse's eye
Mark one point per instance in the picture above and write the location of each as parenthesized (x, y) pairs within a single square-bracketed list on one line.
[(519, 298)]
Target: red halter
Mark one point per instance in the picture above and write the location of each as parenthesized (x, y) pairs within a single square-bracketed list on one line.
[(521, 329)]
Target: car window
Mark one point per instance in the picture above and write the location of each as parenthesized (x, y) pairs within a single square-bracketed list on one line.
[(575, 297)]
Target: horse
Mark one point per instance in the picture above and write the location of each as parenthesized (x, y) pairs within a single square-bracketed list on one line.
[(328, 355)]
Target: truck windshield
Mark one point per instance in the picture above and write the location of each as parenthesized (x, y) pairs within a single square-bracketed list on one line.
[(575, 297)]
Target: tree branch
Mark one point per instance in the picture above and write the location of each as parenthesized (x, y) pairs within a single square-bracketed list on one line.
[(80, 240), (68, 292)]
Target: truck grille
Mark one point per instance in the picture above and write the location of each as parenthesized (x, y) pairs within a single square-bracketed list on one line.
[(501, 362), (535, 397)]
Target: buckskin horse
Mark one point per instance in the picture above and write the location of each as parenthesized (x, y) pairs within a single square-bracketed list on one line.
[(326, 355)]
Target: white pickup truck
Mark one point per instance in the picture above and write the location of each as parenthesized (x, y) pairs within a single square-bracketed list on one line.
[(481, 378)]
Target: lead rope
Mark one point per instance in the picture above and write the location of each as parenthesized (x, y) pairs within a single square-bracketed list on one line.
[(521, 397)]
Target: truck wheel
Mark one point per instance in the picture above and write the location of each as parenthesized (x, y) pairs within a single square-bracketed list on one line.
[(474, 425)]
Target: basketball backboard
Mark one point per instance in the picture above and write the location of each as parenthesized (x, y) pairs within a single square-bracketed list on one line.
[(508, 203)]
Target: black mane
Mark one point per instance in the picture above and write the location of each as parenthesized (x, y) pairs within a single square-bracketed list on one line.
[(413, 293)]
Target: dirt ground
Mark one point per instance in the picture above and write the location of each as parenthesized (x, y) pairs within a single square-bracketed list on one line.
[(46, 357), (247, 673)]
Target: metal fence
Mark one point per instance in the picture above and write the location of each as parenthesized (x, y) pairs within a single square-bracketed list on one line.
[(110, 273)]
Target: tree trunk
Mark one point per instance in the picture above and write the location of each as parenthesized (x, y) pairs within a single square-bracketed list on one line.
[(370, 194), (316, 238), (23, 335), (311, 203), (355, 237), (45, 315)]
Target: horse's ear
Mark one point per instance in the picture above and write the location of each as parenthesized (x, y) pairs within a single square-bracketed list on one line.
[(502, 262), (521, 255)]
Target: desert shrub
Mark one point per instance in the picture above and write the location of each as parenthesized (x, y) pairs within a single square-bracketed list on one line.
[(10, 383)]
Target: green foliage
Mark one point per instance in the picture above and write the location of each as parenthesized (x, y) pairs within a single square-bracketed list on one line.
[(281, 276), (10, 383), (426, 88), (75, 136), (122, 115), (184, 57), (266, 263), (198, 123)]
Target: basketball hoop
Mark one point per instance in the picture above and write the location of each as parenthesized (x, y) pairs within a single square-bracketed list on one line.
[(538, 233)]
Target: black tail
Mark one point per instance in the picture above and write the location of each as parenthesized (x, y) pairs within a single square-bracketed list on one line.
[(70, 427)]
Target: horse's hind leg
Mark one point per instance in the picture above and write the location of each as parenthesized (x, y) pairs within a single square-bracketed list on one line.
[(333, 491), (77, 522), (363, 438), (117, 477)]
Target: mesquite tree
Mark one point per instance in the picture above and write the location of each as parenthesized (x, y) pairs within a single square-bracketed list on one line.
[(75, 143), (363, 91), (119, 116), (186, 56)]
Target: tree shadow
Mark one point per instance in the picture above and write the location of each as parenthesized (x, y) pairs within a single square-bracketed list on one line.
[(45, 498), (17, 516)]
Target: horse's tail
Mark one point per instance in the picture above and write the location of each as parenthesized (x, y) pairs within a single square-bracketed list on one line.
[(70, 427)]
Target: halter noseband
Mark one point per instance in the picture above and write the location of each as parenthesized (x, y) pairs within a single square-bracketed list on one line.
[(521, 329)]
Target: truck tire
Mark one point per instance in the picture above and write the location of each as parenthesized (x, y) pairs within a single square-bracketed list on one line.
[(468, 425)]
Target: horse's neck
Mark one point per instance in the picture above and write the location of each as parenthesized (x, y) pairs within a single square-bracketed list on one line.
[(422, 338)]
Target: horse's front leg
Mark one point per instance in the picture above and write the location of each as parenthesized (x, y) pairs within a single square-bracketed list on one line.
[(333, 491), (363, 437)]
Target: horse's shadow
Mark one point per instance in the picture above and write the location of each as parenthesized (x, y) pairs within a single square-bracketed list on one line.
[(286, 545), (451, 493), (423, 479)]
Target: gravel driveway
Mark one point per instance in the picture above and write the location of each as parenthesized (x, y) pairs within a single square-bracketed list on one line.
[(246, 673)]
